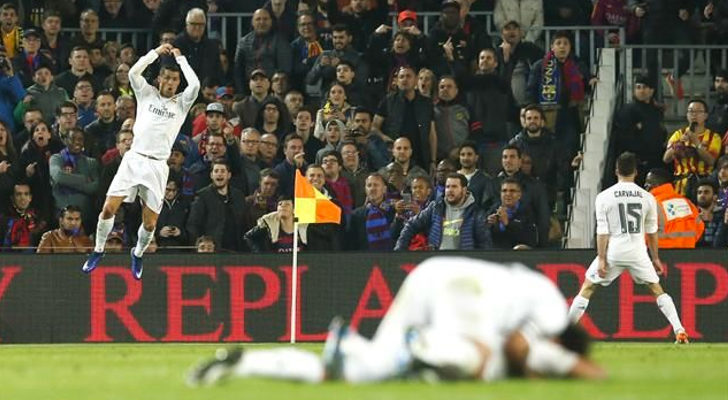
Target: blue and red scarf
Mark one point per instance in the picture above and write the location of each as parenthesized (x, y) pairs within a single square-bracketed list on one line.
[(551, 81)]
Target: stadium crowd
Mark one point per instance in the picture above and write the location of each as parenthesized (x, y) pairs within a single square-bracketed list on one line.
[(447, 139)]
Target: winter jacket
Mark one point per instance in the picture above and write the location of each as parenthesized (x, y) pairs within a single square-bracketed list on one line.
[(47, 100), (528, 14), (270, 52), (208, 215)]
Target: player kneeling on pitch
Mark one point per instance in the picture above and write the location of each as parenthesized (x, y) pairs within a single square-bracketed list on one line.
[(143, 171), (625, 213), (453, 318)]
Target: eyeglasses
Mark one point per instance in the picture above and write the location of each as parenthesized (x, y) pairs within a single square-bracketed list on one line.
[(693, 112)]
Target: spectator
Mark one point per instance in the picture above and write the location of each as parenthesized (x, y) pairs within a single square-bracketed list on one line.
[(534, 196), (88, 37), (326, 67), (402, 154), (273, 118), (249, 159), (303, 122), (332, 165), (678, 220), (202, 52), (100, 134), (144, 13), (114, 14), (31, 116), (83, 97), (294, 159), (454, 222), (128, 54), (336, 106), (205, 244), (34, 168), (274, 231), (511, 223), (69, 237), (481, 185), (279, 86), (45, 95), (721, 176), (409, 207), (515, 57), (327, 236), (567, 12), (219, 211), (557, 84), (11, 32), (711, 213), (363, 19), (448, 30), (615, 13), (294, 101), (115, 242), (490, 98), (66, 119), (335, 130), (263, 48), (30, 58), (8, 158), (373, 151), (119, 84), (371, 224), (247, 109), (548, 162), (125, 108), (408, 114), (178, 171), (21, 224), (171, 13), (639, 128), (268, 150), (74, 177), (284, 17), (215, 125), (692, 149), (353, 171), (427, 83), (10, 86), (53, 42), (718, 115), (217, 147), (524, 13), (264, 199), (307, 48), (721, 237), (452, 117), (101, 71), (444, 168), (173, 217), (80, 67)]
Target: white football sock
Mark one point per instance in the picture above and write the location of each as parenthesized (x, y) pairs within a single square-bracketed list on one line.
[(371, 361), (578, 307), (144, 238), (666, 305), (285, 364), (103, 228)]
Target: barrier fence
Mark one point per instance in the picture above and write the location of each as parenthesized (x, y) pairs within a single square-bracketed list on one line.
[(246, 298)]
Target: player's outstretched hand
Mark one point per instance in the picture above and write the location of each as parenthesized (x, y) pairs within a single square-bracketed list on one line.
[(164, 49), (175, 52), (602, 271), (658, 266)]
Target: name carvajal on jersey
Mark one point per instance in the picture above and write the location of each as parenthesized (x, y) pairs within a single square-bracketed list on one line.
[(162, 112), (627, 193)]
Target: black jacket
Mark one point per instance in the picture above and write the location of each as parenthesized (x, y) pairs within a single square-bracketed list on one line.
[(521, 229), (639, 128), (534, 198), (204, 56), (174, 213), (208, 216)]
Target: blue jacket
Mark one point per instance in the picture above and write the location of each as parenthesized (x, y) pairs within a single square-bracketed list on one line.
[(11, 92), (474, 232)]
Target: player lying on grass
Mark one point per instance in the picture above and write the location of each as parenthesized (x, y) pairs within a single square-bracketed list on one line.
[(458, 317)]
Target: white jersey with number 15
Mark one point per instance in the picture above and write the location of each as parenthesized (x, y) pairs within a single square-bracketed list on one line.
[(626, 212)]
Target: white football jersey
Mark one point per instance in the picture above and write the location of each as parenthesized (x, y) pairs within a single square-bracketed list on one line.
[(158, 119), (626, 212)]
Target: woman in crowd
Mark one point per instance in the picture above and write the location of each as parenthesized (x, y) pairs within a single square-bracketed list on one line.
[(33, 166)]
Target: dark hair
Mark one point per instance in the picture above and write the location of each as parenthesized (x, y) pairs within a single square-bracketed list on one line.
[(574, 338), (69, 209), (722, 161), (312, 166), (723, 73), (220, 161), (208, 81), (335, 153), (305, 109), (170, 67), (461, 177), (705, 105), (377, 175), (424, 178), (707, 181), (105, 92), (49, 12), (66, 104), (512, 180), (659, 176), (362, 109), (289, 137), (269, 172), (512, 147), (341, 27), (561, 34), (534, 107), (121, 132), (626, 164), (87, 79), (284, 197), (79, 48), (32, 109), (204, 238), (471, 144), (9, 6)]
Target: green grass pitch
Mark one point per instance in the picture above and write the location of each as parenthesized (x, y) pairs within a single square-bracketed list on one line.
[(109, 372)]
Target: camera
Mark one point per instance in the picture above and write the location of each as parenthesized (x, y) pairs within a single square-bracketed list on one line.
[(356, 132)]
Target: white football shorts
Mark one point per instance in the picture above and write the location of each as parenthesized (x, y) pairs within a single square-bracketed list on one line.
[(143, 177), (642, 271)]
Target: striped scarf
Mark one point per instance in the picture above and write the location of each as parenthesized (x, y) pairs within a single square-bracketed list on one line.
[(377, 228), (551, 81)]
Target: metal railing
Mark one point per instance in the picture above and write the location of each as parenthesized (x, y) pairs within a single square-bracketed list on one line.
[(141, 39), (689, 66)]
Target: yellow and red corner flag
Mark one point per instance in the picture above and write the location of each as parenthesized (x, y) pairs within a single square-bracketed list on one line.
[(312, 207)]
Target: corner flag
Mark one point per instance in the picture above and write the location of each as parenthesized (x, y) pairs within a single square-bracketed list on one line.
[(312, 207)]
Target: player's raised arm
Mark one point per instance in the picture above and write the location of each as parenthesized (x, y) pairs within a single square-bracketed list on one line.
[(193, 83), (136, 80)]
